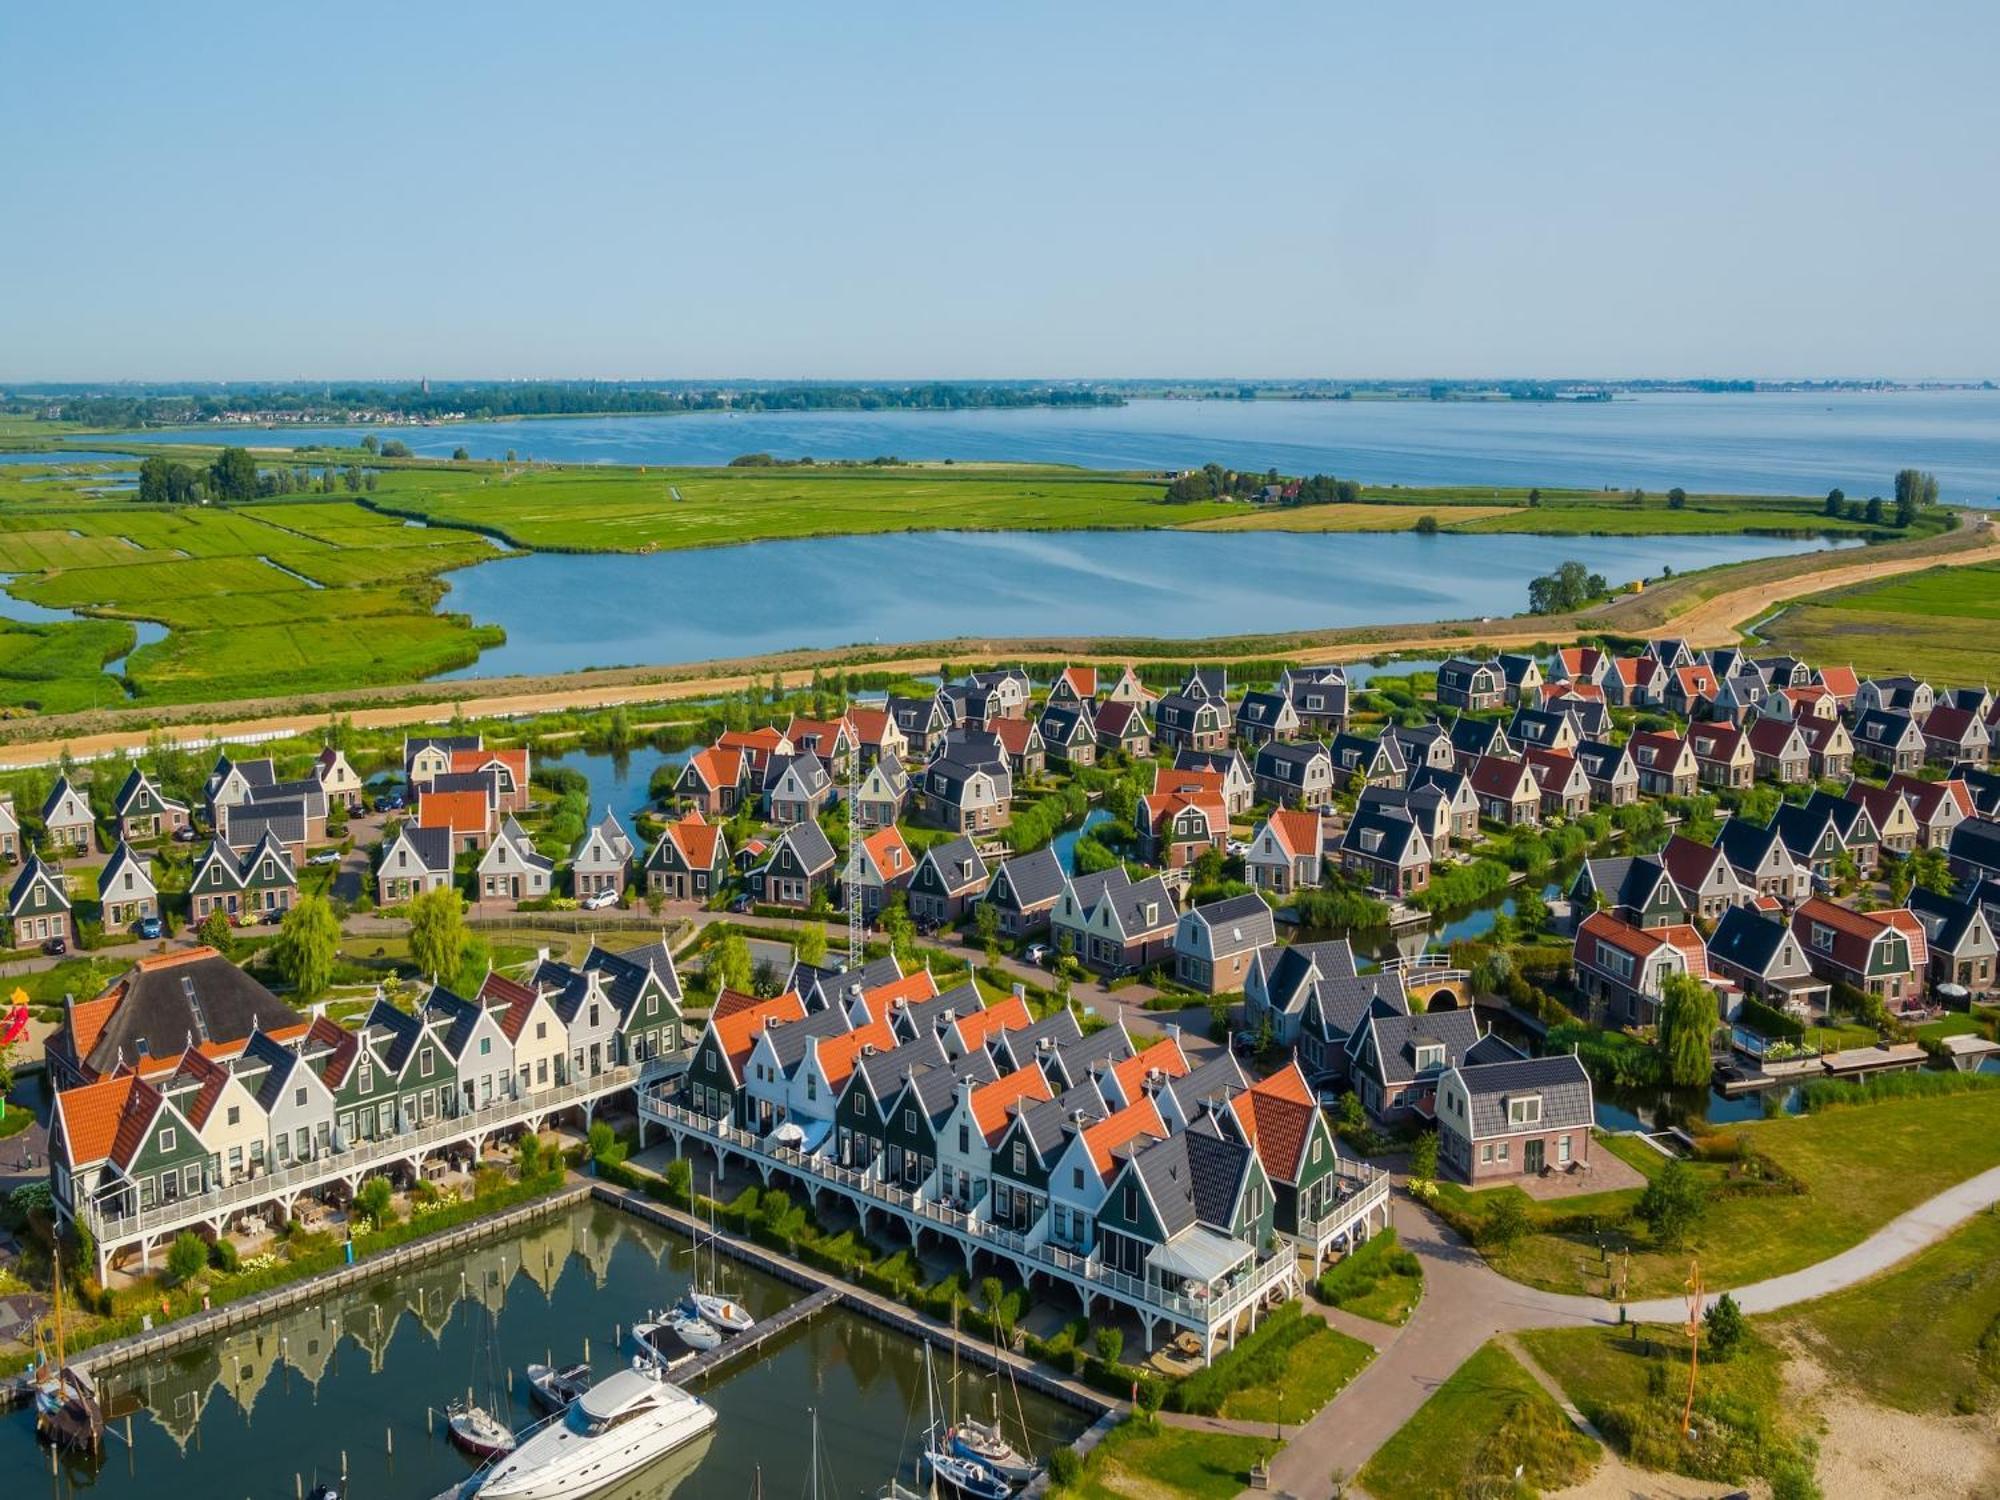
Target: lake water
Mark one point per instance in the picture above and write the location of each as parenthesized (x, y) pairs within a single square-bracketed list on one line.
[(240, 1415), (1794, 443), (565, 611), (620, 782)]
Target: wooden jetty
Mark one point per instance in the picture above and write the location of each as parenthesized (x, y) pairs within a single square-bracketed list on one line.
[(754, 1337)]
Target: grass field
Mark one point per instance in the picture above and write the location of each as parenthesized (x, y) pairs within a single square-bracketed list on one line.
[(1489, 1417), (1859, 1167), (1375, 1281), (1316, 1369), (1944, 1301), (1142, 1460), (1943, 623)]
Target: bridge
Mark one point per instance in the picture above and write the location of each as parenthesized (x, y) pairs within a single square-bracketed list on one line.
[(1431, 977)]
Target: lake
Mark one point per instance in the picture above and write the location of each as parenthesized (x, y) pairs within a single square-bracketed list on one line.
[(240, 1415), (564, 612), (619, 781), (1783, 442)]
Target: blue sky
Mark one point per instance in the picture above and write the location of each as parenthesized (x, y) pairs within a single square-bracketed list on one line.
[(875, 191)]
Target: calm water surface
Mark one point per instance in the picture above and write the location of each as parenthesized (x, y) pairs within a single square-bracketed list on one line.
[(1769, 442), (564, 612), (241, 1415)]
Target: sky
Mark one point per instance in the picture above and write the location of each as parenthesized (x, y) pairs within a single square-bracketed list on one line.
[(871, 191)]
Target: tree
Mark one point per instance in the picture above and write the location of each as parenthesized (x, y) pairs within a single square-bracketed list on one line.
[(1906, 511), (528, 1155), (1673, 1204), (811, 943), (217, 933), (900, 930), (373, 1199), (1424, 1157), (1919, 487), (1677, 498), (729, 963), (1836, 503), (164, 482), (1506, 1219), (187, 1257), (306, 946), (1534, 499), (1110, 1343), (351, 477), (233, 475), (1725, 1326), (395, 448), (1874, 512), (1427, 525), (1687, 1025), (986, 920), (437, 932), (1570, 587), (459, 455), (371, 444)]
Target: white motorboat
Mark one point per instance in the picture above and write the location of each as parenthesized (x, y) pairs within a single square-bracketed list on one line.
[(554, 1389), (668, 1341), (620, 1425)]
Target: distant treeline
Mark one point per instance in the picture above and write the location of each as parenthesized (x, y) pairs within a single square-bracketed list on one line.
[(152, 407)]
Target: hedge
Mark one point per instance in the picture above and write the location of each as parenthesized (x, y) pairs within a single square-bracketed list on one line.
[(1769, 1022), (1256, 1360)]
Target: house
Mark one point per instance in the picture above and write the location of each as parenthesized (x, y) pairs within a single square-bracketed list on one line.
[(1636, 682), (1239, 783), (1127, 689), (1008, 687), (920, 721), (1778, 752), (1975, 849), (1953, 735), (883, 795), (1285, 852), (1113, 923), (1384, 846), (716, 1075), (715, 781), (1424, 745), (1265, 716), (979, 1115), (429, 755), (1021, 740), (1068, 736), (1024, 890), (1665, 763), (832, 742), (690, 862), (759, 747), (1624, 966), (1214, 943), (1472, 738), (1279, 1119), (797, 788), (67, 821), (1830, 746), (1395, 1059), (1442, 803), (1182, 722), (1507, 791), (966, 797), (1539, 729), (260, 884), (886, 867), (1763, 861), (1614, 780), (1359, 761), (1938, 806), (465, 817), (10, 830), (1890, 740), (506, 770), (1581, 664), (512, 869), (1690, 690), (1471, 686), (1960, 942), (1277, 989), (1522, 675), (1722, 755), (1074, 687), (1868, 951), (1757, 951), (1520, 1117), (144, 812), (38, 909), (1565, 787), (1890, 813), (948, 879), (1842, 682), (339, 780), (125, 889), (1294, 775), (800, 864), (1318, 696), (413, 861), (878, 736), (1181, 818), (601, 859), (1640, 891), (1910, 696), (1708, 883), (1122, 728)]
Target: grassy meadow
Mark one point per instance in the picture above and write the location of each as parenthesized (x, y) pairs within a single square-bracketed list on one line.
[(1943, 623)]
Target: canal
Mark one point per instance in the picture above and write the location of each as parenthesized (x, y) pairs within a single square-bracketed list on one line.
[(246, 1412)]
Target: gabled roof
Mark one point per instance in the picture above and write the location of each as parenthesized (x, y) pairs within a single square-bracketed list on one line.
[(1239, 923), (956, 864), (430, 846), (1559, 1080), (89, 1114), (35, 872), (737, 1032), (808, 843), (122, 859), (1297, 832), (698, 842), (1164, 1057), (1276, 1117), (1748, 940), (1140, 1118), (839, 1053), (994, 1104), (453, 812), (1509, 780), (165, 1002)]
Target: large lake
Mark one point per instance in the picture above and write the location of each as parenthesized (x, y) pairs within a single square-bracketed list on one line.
[(1790, 443), (564, 612)]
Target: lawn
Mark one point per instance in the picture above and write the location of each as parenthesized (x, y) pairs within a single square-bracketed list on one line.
[(1836, 1176), (1489, 1417), (1316, 1370), (1631, 1383), (1379, 1281), (1139, 1460), (1943, 623), (1943, 1301)]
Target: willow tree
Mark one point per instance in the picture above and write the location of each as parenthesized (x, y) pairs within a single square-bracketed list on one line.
[(1687, 1026)]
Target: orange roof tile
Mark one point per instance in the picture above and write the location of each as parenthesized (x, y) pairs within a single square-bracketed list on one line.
[(731, 1001), (738, 1030), (838, 1054), (1165, 1055), (90, 1114), (88, 1018), (890, 851), (992, 1102), (461, 812), (1121, 1129), (696, 838), (1010, 1014), (1082, 679), (911, 989), (516, 760), (1276, 1115), (871, 725), (1842, 682), (1297, 830), (1905, 921)]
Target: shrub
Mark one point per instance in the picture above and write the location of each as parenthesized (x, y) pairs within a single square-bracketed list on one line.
[(1673, 1204), (528, 1154), (680, 1180), (187, 1257), (1065, 1468), (1725, 1325), (1110, 1344), (1506, 1220), (222, 1255), (373, 1199)]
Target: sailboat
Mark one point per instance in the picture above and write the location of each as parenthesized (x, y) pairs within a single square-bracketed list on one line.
[(967, 1477), (469, 1425), (66, 1409), (987, 1441), (666, 1339), (703, 1301)]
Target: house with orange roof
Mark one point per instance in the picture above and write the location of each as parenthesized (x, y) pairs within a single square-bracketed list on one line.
[(156, 1009), (976, 1030), (1625, 966), (690, 862), (507, 771), (1281, 1121), (466, 816), (1881, 953), (1287, 852), (1083, 1172), (1184, 815), (716, 781), (1125, 1082), (1075, 686), (878, 735), (715, 1077), (831, 741), (759, 747), (126, 1146), (827, 1062), (1690, 688), (979, 1116)]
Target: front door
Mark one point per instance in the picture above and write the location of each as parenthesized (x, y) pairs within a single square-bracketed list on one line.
[(1534, 1154)]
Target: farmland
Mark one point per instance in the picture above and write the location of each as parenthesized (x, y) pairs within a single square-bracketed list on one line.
[(1943, 623)]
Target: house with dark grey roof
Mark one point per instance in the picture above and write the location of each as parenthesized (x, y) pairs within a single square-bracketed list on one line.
[(1423, 745), (1384, 846), (883, 795), (1182, 722), (1116, 924), (125, 889), (414, 861), (1277, 986), (1214, 943), (1396, 1059), (512, 869), (1961, 940), (1360, 761), (1535, 729), (601, 860), (1471, 738), (1265, 716), (1519, 1117), (1757, 951), (1069, 737), (67, 821), (1637, 889), (1239, 783), (1025, 889), (966, 797), (796, 788), (38, 908), (1522, 675), (1762, 861), (1890, 740), (801, 862), (1471, 685), (920, 720), (1294, 774), (145, 812), (1974, 851), (1458, 821), (1318, 696), (261, 884), (157, 1009), (948, 880)]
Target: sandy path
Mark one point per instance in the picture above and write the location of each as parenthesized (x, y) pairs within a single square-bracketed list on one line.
[(1712, 621)]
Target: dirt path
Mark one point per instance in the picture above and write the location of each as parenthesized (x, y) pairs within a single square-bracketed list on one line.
[(1712, 621)]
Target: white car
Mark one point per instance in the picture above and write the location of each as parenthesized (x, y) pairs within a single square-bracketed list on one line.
[(601, 900), (1038, 953), (325, 857)]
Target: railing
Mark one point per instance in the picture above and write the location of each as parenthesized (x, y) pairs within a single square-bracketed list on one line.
[(113, 1229), (1205, 1311), (1369, 1192)]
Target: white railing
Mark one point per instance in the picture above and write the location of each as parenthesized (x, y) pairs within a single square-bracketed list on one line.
[(1204, 1311), (115, 1229), (1369, 1193)]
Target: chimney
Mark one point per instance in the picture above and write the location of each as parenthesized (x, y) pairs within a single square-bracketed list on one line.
[(541, 955), (1020, 990)]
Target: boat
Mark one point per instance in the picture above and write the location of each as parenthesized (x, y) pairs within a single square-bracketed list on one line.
[(626, 1421), (660, 1342), (694, 1332), (963, 1476), (476, 1430), (985, 1443), (554, 1389), (704, 1301), (323, 1491)]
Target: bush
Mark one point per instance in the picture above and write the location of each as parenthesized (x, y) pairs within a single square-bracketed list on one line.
[(1065, 1468), (680, 1180), (373, 1199), (1673, 1204), (1110, 1344), (1725, 1325), (528, 1154), (187, 1258), (1257, 1360), (222, 1255)]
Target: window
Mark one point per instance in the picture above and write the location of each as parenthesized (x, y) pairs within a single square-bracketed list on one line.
[(1076, 1177), (1020, 1157), (235, 1116), (1430, 1055), (167, 1139), (1527, 1111), (909, 1120), (426, 1062), (1503, 1151), (1822, 937), (542, 1034), (1486, 1153), (1562, 1150), (593, 1014)]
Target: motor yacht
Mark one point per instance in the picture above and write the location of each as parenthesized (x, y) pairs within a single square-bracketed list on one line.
[(621, 1424)]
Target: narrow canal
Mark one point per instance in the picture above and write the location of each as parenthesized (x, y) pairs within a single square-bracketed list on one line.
[(243, 1414)]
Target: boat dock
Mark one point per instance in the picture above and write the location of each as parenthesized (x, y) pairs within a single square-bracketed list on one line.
[(754, 1337)]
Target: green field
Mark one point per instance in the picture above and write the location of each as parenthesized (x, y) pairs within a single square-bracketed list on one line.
[(1148, 1460), (1943, 623), (1468, 1438)]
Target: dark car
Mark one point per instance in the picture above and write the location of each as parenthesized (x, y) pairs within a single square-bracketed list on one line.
[(185, 834), (148, 928), (55, 947), (742, 903)]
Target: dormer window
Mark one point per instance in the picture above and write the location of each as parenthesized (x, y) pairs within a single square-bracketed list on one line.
[(1525, 1111), (1430, 1056)]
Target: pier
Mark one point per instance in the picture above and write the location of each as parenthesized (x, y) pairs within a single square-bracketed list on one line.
[(754, 1337)]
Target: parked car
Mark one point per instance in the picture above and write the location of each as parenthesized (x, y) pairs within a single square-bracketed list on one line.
[(1039, 953), (149, 928), (1243, 1043), (185, 834), (325, 857), (601, 900), (742, 903), (55, 947)]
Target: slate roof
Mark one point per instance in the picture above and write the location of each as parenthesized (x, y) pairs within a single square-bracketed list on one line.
[(1396, 1038), (821, 984), (1288, 971), (1384, 832), (1977, 842), (1748, 939), (1344, 1001), (1948, 922), (1560, 1080), (163, 1003), (249, 821), (951, 861), (809, 843), (431, 846), (1036, 878), (1238, 923)]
